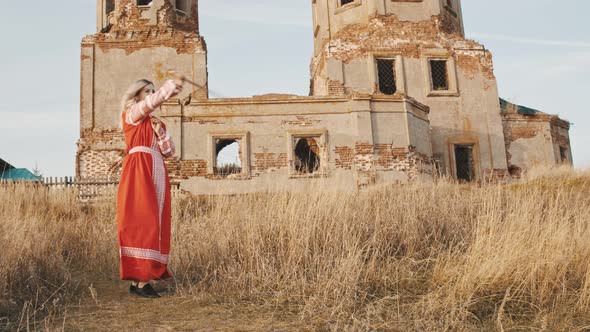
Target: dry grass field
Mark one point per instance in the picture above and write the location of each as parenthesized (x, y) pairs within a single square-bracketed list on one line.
[(440, 257)]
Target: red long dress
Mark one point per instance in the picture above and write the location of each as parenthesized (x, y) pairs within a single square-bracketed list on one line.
[(143, 198)]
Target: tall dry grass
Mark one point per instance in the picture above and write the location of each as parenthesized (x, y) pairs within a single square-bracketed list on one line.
[(412, 257)]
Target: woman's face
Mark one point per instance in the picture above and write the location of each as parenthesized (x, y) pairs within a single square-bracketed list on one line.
[(146, 91)]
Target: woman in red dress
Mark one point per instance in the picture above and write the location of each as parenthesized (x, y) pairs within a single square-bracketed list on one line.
[(143, 198)]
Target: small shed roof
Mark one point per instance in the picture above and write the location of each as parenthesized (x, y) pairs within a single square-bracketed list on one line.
[(8, 172)]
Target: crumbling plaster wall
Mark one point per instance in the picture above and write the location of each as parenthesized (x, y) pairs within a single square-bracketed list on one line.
[(161, 13), (329, 18), (535, 140), (110, 68), (355, 151), (528, 143)]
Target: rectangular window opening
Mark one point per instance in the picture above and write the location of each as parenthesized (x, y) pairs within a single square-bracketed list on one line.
[(109, 6), (182, 5), (144, 2), (386, 73), (464, 163), (228, 157), (439, 75), (345, 2)]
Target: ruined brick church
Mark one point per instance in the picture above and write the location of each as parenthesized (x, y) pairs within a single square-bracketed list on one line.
[(397, 94)]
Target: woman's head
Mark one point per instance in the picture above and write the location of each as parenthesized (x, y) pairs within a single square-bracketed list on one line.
[(137, 92), (147, 90)]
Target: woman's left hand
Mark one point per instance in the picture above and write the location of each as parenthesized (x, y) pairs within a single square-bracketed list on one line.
[(157, 126)]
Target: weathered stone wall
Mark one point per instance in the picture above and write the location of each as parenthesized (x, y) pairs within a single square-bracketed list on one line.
[(329, 18), (363, 136), (126, 15), (143, 42), (468, 113), (561, 139), (100, 153), (534, 140), (110, 67), (362, 140)]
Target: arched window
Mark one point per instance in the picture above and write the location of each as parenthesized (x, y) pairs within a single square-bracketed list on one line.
[(144, 2)]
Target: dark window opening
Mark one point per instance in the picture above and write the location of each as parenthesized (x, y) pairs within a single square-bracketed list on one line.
[(144, 2), (564, 154), (386, 72), (109, 6), (515, 171), (227, 157), (450, 3), (182, 5), (438, 73), (464, 163), (345, 2), (307, 155)]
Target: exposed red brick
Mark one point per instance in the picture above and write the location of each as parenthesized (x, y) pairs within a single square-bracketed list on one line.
[(265, 162), (344, 157), (184, 169)]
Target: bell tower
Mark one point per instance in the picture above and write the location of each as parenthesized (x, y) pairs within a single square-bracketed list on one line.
[(376, 23), (134, 39), (179, 14), (414, 48)]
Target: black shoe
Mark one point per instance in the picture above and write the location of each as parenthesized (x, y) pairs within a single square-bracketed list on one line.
[(132, 288), (146, 291)]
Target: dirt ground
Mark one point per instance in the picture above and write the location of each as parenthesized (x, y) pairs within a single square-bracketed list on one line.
[(110, 307)]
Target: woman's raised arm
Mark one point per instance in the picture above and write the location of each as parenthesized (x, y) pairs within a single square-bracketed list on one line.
[(139, 111)]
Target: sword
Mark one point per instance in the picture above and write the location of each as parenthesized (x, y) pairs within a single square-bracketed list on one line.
[(192, 83), (186, 80), (198, 86)]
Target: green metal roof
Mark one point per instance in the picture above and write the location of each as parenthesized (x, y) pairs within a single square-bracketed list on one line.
[(523, 110), (18, 174)]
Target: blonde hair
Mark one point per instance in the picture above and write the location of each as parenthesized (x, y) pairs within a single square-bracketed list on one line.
[(129, 97)]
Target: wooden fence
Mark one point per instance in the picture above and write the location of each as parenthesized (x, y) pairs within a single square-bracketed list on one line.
[(87, 189)]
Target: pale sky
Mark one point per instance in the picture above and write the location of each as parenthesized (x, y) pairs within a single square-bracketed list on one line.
[(541, 54)]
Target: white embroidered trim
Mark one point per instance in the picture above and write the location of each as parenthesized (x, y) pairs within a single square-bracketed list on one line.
[(164, 140), (158, 178), (152, 151), (144, 254)]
